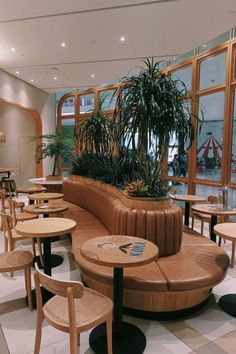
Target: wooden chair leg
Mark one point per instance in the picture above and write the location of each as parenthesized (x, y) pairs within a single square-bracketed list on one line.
[(219, 243), (73, 342), (33, 247), (38, 333), (78, 339), (28, 287), (109, 335)]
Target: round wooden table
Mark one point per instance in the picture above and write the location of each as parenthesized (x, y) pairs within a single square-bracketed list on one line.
[(211, 209), (51, 185), (188, 199), (119, 251), (31, 190), (45, 209), (46, 228), (45, 196)]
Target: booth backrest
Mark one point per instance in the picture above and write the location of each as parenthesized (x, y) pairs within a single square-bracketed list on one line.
[(163, 226)]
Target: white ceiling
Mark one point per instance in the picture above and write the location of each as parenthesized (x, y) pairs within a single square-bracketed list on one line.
[(92, 29)]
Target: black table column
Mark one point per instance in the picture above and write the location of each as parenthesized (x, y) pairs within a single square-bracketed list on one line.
[(213, 223), (126, 338)]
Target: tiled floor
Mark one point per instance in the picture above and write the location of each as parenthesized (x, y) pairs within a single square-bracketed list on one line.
[(208, 331)]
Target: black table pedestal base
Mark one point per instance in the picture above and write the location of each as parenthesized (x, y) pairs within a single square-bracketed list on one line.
[(228, 304), (129, 340), (56, 260), (46, 295)]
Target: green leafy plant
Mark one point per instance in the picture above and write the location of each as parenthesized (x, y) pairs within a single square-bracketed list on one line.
[(54, 146), (129, 149), (96, 133)]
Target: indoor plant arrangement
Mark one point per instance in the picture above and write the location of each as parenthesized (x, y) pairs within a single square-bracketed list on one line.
[(130, 149), (54, 146)]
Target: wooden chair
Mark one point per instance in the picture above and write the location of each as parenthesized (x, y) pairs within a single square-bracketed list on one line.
[(11, 237), (212, 199), (74, 309), (18, 260), (21, 217), (5, 203)]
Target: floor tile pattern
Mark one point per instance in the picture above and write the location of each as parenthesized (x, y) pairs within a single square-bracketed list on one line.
[(206, 332)]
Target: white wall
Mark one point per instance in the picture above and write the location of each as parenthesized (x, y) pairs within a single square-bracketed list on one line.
[(18, 91), (18, 152)]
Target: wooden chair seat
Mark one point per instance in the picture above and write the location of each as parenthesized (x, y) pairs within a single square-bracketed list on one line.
[(18, 260), (15, 260), (19, 205), (91, 308), (25, 216), (10, 235)]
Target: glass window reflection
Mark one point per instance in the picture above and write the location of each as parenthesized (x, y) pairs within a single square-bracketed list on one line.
[(209, 143)]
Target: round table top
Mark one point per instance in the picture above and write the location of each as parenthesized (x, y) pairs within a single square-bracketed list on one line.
[(33, 189), (119, 251), (45, 196), (212, 209), (188, 198), (45, 181), (6, 170), (45, 227), (226, 230), (45, 208)]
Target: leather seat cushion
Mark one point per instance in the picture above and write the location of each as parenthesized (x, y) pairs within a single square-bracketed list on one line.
[(198, 264)]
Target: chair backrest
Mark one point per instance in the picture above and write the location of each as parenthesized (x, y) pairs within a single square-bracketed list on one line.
[(213, 199), (7, 223), (59, 287), (13, 206), (3, 195)]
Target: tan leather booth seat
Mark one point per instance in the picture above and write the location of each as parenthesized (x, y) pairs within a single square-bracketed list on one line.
[(174, 282), (163, 227)]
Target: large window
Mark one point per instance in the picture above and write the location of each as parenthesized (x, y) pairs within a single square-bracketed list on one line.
[(212, 71), (210, 137), (233, 153)]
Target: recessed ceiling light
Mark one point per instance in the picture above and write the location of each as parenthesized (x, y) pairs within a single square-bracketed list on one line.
[(17, 72), (92, 75), (63, 44), (55, 78), (32, 80), (122, 39), (13, 49), (204, 45)]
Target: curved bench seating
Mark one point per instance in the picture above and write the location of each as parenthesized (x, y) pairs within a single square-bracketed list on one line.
[(175, 282)]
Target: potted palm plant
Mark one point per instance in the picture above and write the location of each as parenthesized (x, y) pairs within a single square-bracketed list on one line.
[(152, 109), (54, 146)]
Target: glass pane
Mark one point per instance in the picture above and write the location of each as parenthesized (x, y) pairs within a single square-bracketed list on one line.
[(67, 127), (214, 42), (68, 106), (205, 191), (108, 99), (178, 154), (233, 160), (184, 75), (209, 144), (212, 71), (182, 57), (86, 104)]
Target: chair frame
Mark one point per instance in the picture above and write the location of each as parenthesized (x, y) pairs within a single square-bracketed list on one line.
[(72, 290)]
